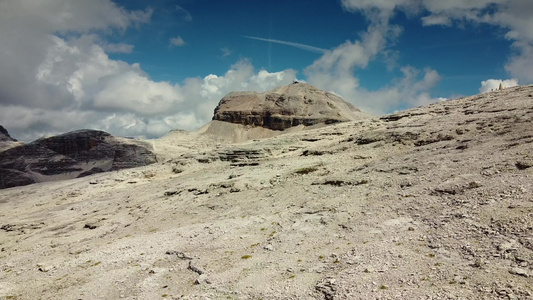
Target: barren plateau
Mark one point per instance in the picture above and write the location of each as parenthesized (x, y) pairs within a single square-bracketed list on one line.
[(434, 202)]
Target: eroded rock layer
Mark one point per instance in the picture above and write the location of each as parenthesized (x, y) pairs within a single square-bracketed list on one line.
[(70, 155), (285, 107)]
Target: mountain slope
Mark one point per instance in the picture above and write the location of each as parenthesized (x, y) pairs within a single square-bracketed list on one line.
[(428, 203)]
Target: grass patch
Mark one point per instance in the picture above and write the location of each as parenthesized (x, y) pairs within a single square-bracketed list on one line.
[(306, 170), (246, 256)]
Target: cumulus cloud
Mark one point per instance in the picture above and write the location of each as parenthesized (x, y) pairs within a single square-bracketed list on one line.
[(117, 48), (56, 75), (334, 70), (177, 42), (511, 16), (494, 84)]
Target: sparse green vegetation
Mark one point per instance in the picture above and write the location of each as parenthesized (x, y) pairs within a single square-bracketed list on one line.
[(246, 256), (383, 287), (306, 170)]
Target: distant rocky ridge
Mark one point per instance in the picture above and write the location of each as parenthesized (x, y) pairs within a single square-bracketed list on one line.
[(285, 107), (70, 155), (6, 141), (4, 135)]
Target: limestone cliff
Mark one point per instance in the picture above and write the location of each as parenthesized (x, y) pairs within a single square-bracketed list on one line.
[(70, 155), (285, 107)]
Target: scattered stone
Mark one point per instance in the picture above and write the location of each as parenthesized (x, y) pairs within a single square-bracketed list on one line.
[(202, 279), (519, 272), (340, 182), (172, 193), (44, 268), (269, 247), (90, 226), (522, 165), (179, 254), (328, 288), (194, 268), (507, 246)]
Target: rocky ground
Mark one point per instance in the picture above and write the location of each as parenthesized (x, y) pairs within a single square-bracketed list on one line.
[(431, 203)]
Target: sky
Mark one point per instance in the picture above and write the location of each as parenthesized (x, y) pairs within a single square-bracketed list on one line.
[(141, 68)]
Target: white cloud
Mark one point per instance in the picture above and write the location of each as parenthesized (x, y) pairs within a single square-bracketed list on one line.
[(494, 84), (56, 75), (225, 52), (436, 19), (127, 103), (177, 42), (334, 71), (512, 16)]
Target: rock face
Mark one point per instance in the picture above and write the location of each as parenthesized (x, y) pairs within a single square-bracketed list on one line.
[(434, 202), (285, 107), (6, 141), (4, 135), (70, 155)]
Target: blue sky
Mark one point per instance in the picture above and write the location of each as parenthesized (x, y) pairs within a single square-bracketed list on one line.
[(463, 56), (142, 68)]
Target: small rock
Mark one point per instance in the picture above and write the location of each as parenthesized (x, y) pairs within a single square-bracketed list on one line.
[(519, 272), (90, 226), (44, 268), (179, 254), (194, 268), (507, 246), (202, 279), (171, 193), (269, 247)]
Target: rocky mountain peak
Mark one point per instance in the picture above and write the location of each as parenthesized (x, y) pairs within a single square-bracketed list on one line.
[(4, 135), (284, 107)]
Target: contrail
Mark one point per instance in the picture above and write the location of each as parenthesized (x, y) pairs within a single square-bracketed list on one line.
[(296, 45)]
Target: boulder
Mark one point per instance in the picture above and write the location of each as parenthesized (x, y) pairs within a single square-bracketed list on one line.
[(70, 155), (285, 107)]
